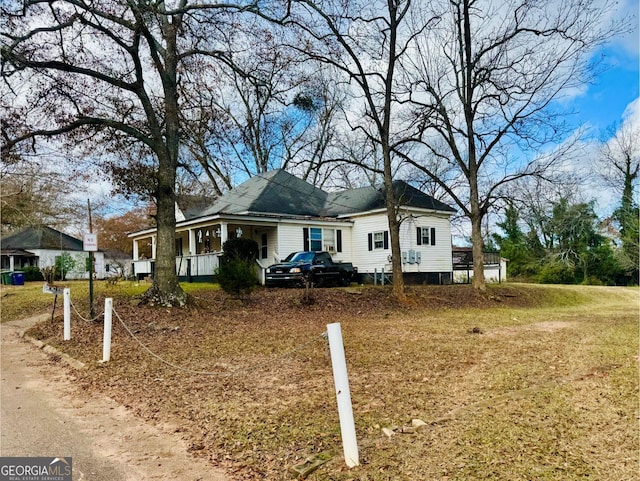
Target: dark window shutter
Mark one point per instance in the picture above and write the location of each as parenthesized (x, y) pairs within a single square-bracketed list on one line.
[(370, 242), (305, 236), (433, 236), (419, 238), (339, 240), (386, 239)]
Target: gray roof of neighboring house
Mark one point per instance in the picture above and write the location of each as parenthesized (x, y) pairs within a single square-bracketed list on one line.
[(280, 193), (41, 237)]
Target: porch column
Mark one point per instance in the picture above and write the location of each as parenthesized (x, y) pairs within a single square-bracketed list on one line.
[(11, 263), (192, 242), (224, 235), (136, 253), (153, 246)]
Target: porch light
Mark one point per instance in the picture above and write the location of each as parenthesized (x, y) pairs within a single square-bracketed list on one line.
[(239, 232), (218, 233)]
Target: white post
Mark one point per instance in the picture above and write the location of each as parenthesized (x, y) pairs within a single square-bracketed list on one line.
[(66, 336), (106, 343), (343, 395)]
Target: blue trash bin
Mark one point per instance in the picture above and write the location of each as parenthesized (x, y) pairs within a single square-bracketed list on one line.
[(17, 278)]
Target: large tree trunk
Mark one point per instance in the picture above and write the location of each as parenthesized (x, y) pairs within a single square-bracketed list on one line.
[(394, 228), (477, 241), (166, 290)]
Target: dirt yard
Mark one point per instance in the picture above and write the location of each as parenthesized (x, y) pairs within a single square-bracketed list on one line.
[(522, 382)]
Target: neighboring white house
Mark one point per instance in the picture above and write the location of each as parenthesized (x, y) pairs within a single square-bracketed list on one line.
[(284, 214), (40, 246), (495, 266)]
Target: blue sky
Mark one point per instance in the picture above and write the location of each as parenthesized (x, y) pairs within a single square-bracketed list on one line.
[(604, 102)]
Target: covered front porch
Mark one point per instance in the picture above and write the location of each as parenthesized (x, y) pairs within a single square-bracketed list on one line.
[(199, 247), (17, 259)]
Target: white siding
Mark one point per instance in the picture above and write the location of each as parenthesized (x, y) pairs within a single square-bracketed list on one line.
[(365, 260), (47, 258), (290, 239), (434, 258)]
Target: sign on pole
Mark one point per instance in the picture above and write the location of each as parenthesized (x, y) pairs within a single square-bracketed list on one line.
[(90, 242)]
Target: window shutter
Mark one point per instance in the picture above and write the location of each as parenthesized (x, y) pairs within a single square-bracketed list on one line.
[(419, 238), (339, 240), (433, 236), (386, 239), (370, 242), (305, 237)]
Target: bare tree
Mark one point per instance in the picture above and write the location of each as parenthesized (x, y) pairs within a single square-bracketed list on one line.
[(364, 42), (33, 193), (619, 166), (489, 75), (114, 74), (271, 110)]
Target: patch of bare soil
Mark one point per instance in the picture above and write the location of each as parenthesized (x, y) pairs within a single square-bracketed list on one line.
[(245, 383)]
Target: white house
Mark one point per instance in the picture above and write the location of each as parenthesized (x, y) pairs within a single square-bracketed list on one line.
[(495, 266), (40, 246), (284, 214)]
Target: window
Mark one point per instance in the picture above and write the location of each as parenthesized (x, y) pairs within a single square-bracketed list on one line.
[(328, 240), (379, 240), (426, 236), (317, 239)]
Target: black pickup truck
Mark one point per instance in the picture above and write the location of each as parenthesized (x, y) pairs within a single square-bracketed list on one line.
[(301, 268)]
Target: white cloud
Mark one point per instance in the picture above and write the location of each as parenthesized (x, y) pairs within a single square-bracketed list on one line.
[(631, 114), (629, 42)]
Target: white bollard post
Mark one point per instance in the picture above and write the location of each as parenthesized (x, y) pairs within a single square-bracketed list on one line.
[(106, 342), (66, 335), (343, 395)]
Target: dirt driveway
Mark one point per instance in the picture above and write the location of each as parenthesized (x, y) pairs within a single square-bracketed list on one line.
[(44, 414)]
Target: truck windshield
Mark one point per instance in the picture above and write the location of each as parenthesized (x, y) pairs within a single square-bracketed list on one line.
[(300, 257)]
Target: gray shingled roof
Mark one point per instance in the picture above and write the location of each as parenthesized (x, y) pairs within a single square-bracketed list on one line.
[(278, 192), (370, 198), (41, 237), (274, 192), (192, 205)]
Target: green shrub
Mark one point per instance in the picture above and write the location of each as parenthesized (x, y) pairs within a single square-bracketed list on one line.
[(592, 281), (556, 273), (236, 277), (235, 273), (32, 273), (241, 248), (64, 264)]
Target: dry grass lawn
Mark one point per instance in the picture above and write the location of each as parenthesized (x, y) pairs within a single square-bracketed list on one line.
[(524, 382)]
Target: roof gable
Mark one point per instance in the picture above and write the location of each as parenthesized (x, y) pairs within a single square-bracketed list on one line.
[(41, 237), (274, 192), (369, 198)]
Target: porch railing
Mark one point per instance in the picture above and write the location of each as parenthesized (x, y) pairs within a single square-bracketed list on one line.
[(197, 265), (192, 265)]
